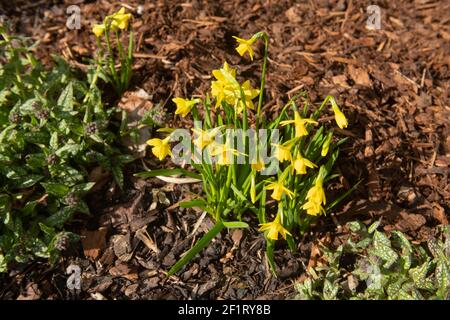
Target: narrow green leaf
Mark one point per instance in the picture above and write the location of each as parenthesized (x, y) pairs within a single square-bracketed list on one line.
[(167, 173), (202, 243), (235, 224)]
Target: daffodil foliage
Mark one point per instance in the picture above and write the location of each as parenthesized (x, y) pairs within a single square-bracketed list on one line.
[(289, 184)]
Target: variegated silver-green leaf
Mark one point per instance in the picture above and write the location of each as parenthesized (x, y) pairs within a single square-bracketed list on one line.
[(356, 226), (419, 276), (382, 248), (416, 294), (374, 226), (434, 248), (364, 243), (304, 290), (406, 250), (442, 277), (403, 295), (380, 238), (313, 273), (330, 290), (394, 288)]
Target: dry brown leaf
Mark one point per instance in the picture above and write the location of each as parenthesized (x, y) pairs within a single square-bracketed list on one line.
[(93, 242), (32, 293), (410, 222), (143, 235), (439, 213), (359, 75), (341, 80)]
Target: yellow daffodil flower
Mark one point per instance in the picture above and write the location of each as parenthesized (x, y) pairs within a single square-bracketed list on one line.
[(340, 118), (249, 94), (184, 106), (300, 164), (245, 45), (98, 30), (283, 153), (225, 154), (119, 20), (316, 193), (161, 147), (315, 197), (274, 228), (299, 122), (226, 88), (259, 165), (223, 75), (278, 190), (313, 208), (205, 138)]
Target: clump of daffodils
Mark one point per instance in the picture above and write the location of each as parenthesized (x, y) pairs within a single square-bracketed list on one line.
[(110, 31), (236, 183)]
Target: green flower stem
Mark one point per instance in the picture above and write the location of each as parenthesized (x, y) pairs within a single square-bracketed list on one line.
[(129, 60), (263, 77), (123, 62), (87, 98), (100, 47), (112, 66)]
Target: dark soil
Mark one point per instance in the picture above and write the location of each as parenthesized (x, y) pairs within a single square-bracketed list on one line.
[(393, 84)]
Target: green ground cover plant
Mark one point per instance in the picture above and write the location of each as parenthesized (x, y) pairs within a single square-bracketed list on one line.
[(385, 267), (54, 128)]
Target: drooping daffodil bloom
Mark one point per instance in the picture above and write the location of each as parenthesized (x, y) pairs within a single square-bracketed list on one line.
[(300, 163), (98, 30), (299, 122), (249, 94), (246, 45), (225, 74), (278, 190), (258, 165), (118, 20), (161, 147), (226, 88), (184, 106), (283, 152), (339, 116), (274, 228), (313, 208), (205, 138), (326, 145), (316, 197), (225, 154), (316, 193)]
